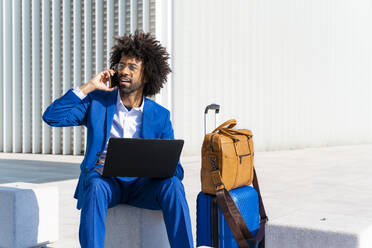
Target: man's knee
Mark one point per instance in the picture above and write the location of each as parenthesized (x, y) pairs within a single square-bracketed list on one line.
[(96, 185), (172, 185)]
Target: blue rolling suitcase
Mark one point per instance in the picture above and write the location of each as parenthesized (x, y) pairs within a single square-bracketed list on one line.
[(213, 229)]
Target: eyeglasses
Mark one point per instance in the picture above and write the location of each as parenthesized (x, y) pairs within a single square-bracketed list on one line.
[(121, 66)]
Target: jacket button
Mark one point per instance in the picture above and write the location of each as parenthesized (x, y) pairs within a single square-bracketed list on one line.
[(86, 170), (98, 153)]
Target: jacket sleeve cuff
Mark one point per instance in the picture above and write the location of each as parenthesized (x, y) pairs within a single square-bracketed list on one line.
[(79, 93)]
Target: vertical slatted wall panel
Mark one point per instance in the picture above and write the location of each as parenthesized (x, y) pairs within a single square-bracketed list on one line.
[(46, 75), (152, 16), (1, 76), (17, 76), (66, 33), (110, 27), (50, 46), (87, 46), (133, 15), (139, 9), (26, 79), (145, 15), (122, 17), (77, 69), (116, 17), (99, 35), (36, 78), (7, 79), (128, 16), (56, 68)]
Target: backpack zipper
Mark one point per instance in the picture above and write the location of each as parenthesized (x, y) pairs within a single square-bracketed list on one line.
[(213, 161), (211, 144)]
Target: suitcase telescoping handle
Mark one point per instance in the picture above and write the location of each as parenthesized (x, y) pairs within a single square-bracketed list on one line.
[(216, 109)]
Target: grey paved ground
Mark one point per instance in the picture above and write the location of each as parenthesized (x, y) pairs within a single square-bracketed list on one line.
[(324, 189)]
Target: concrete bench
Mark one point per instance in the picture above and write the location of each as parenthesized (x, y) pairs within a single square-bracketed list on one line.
[(28, 215), (311, 230), (128, 226)]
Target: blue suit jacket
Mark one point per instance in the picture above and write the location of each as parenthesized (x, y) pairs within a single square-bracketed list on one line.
[(96, 112)]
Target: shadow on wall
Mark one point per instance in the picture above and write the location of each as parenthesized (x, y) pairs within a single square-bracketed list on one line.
[(31, 171)]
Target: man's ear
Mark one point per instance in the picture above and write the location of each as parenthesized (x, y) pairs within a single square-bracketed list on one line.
[(143, 76), (144, 79)]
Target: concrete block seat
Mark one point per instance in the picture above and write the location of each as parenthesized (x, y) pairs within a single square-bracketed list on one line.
[(28, 215), (128, 226), (313, 229)]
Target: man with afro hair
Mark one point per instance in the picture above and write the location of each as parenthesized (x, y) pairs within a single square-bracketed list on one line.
[(138, 69)]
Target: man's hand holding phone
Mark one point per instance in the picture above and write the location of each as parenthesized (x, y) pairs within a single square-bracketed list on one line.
[(99, 82)]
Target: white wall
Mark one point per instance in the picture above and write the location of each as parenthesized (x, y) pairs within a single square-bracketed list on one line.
[(296, 72)]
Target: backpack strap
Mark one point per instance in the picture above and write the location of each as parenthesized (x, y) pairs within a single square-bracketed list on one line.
[(235, 220)]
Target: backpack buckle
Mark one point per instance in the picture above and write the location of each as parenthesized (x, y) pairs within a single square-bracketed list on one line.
[(217, 180)]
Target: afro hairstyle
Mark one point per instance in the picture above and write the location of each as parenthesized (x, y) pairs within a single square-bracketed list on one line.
[(143, 46)]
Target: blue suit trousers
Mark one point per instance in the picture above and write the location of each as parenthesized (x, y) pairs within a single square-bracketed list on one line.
[(102, 193)]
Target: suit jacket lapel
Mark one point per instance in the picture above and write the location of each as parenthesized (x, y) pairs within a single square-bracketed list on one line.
[(110, 110), (147, 120)]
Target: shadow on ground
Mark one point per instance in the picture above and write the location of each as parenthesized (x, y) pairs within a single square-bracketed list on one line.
[(31, 171)]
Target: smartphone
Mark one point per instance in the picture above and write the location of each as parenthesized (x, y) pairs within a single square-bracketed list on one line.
[(114, 80)]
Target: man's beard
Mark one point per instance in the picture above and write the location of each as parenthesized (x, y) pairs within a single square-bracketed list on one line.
[(127, 90)]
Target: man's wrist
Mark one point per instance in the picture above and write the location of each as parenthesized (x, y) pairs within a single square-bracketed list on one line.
[(79, 93), (87, 88)]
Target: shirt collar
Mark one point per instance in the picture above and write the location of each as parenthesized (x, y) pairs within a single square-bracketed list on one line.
[(119, 103)]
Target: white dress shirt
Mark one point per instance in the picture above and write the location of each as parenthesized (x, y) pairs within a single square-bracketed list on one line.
[(125, 124)]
